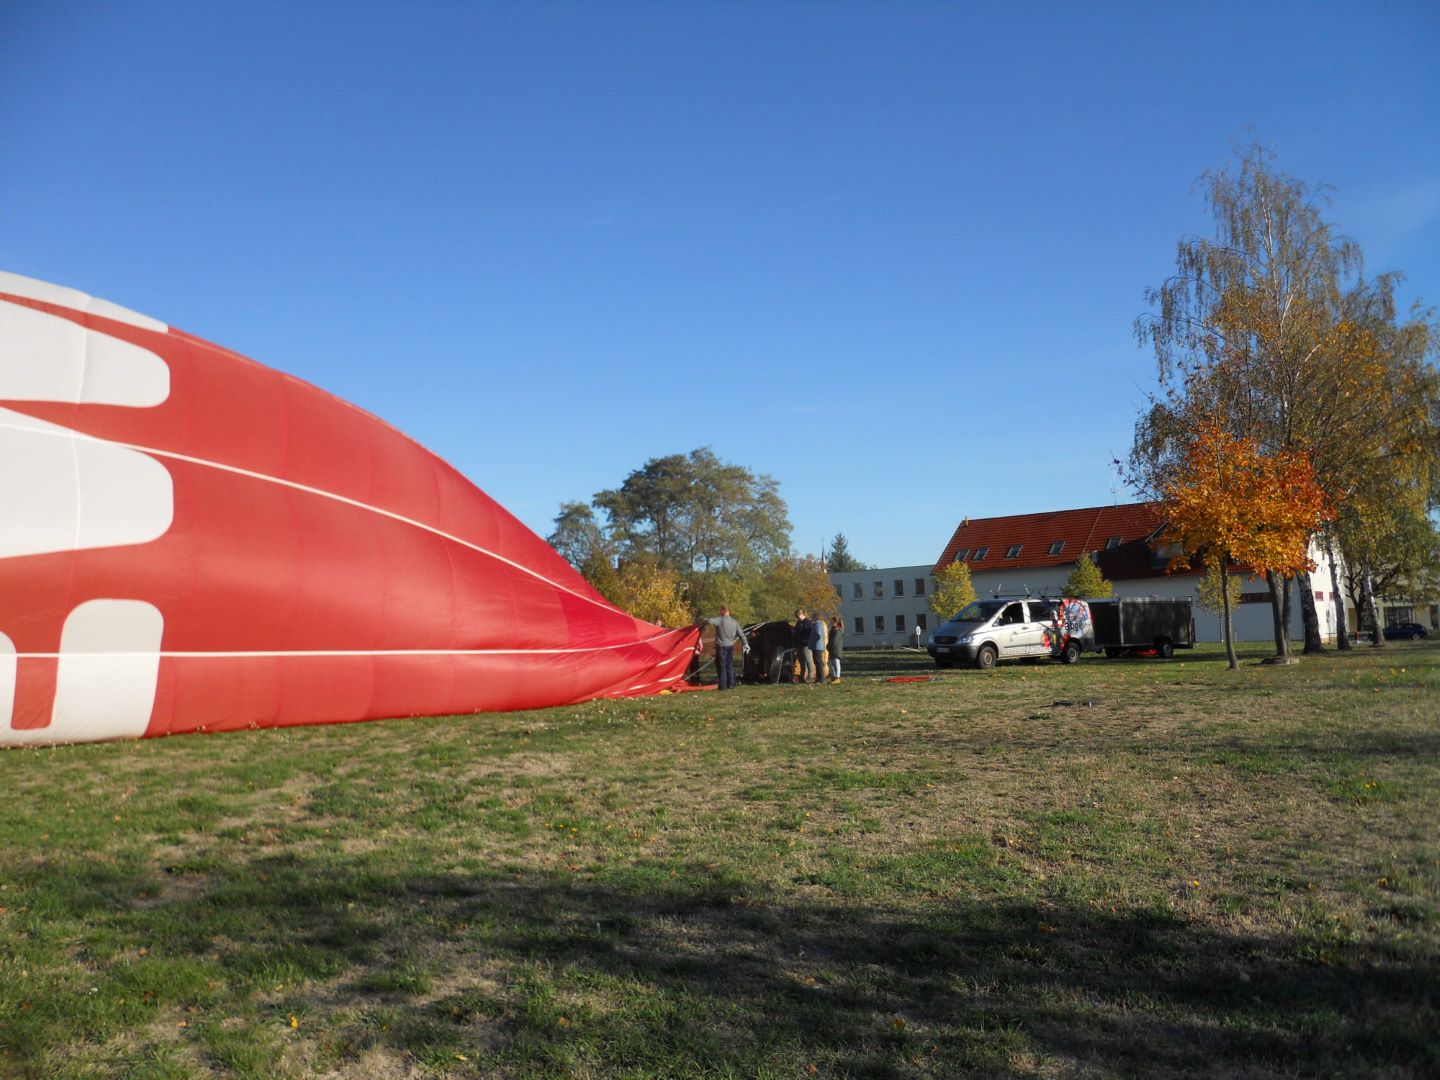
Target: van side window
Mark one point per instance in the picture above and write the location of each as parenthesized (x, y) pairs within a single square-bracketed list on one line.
[(1011, 615), (1041, 613)]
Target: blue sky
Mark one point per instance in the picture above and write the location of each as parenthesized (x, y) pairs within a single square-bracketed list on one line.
[(888, 253)]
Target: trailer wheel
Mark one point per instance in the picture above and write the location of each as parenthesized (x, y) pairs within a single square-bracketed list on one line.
[(1165, 647), (1113, 651), (986, 657), (777, 667), (1071, 652)]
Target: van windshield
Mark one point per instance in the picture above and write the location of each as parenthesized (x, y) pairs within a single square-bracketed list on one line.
[(980, 611)]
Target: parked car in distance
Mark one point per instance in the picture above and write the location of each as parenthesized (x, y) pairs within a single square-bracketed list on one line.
[(1404, 630), (1022, 627)]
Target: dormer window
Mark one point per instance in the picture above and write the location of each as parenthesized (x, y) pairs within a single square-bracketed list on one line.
[(1057, 547), (960, 555), (1113, 543), (1014, 552), (980, 553), (1162, 554)]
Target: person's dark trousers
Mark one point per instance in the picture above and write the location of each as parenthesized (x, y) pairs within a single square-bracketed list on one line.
[(725, 664)]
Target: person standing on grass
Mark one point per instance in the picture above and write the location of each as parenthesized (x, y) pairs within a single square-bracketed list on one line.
[(819, 635), (801, 642), (727, 632), (837, 646)]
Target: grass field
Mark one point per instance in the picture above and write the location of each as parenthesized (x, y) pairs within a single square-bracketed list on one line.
[(1120, 868)]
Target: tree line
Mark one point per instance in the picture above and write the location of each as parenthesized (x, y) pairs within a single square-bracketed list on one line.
[(686, 533)]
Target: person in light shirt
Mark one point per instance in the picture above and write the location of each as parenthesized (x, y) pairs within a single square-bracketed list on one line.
[(727, 632)]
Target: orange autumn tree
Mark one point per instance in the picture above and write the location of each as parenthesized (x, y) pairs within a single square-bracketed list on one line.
[(1238, 504)]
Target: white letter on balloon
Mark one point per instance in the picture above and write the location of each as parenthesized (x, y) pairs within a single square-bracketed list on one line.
[(65, 491)]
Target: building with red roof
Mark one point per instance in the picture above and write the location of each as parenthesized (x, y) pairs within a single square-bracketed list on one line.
[(1036, 553), (1122, 540)]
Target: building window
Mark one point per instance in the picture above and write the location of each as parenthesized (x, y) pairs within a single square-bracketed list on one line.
[(921, 621), (899, 624), (879, 590), (1057, 547), (859, 624), (960, 555), (879, 624), (1014, 552), (1113, 543), (980, 554), (1255, 598), (919, 586), (899, 587), (858, 590)]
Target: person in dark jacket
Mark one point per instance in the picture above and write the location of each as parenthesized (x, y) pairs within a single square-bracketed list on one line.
[(801, 641), (837, 646)]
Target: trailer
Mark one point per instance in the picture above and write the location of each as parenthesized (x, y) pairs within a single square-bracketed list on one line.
[(1143, 624)]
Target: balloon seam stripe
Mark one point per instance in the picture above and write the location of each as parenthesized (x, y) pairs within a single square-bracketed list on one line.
[(237, 470), (303, 654)]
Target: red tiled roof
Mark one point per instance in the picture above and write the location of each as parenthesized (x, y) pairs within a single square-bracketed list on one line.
[(1080, 531)]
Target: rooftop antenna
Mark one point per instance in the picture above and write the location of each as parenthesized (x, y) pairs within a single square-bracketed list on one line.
[(1115, 479)]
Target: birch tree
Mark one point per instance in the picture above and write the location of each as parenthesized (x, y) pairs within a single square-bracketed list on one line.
[(1271, 328)]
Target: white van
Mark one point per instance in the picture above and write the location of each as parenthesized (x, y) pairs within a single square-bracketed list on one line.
[(1011, 628)]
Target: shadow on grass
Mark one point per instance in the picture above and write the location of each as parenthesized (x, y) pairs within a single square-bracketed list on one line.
[(874, 663), (643, 974)]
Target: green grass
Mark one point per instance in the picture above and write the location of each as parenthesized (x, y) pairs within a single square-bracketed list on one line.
[(1121, 868)]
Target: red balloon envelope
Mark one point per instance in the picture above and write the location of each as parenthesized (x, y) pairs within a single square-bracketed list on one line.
[(191, 541)]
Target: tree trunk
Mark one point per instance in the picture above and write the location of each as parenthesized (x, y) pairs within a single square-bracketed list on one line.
[(1277, 613), (1342, 631), (1314, 643), (1367, 587), (1225, 605)]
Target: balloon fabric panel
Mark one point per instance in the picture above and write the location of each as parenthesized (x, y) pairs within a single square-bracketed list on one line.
[(199, 543)]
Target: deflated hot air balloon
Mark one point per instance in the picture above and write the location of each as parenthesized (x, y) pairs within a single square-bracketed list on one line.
[(190, 541)]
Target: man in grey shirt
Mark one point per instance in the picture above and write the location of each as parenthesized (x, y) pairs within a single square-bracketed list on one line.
[(727, 632)]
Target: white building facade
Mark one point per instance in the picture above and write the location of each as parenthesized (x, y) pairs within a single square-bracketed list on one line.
[(883, 607), (1036, 553)]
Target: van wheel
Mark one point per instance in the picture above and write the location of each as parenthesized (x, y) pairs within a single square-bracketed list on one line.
[(1165, 647), (1070, 653), (986, 657)]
